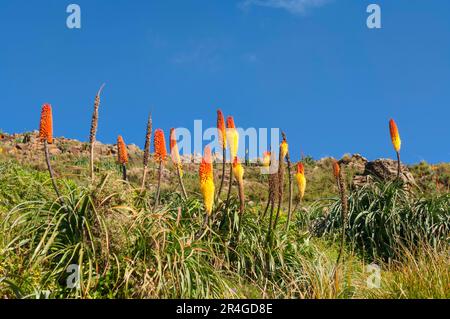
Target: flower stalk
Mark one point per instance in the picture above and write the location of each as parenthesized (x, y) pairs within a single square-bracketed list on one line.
[(272, 187), (46, 136), (176, 160), (148, 136), (122, 156), (301, 183), (238, 172), (93, 131), (233, 142), (397, 143), (160, 157), (288, 160), (207, 188), (337, 172), (223, 143), (284, 150)]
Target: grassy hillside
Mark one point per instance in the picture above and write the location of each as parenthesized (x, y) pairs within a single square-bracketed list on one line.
[(128, 248)]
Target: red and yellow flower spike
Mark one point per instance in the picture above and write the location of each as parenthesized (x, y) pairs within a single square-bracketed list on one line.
[(232, 136), (122, 151), (397, 143), (159, 143), (221, 129), (207, 180), (301, 179), (176, 159), (230, 122), (174, 153), (395, 136), (266, 159), (46, 124)]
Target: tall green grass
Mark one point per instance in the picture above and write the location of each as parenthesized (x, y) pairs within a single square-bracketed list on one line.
[(127, 250), (384, 217)]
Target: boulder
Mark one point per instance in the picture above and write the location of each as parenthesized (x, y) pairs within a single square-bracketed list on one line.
[(356, 162), (133, 149), (384, 170), (53, 150)]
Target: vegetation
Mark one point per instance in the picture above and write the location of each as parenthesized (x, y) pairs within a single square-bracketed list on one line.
[(384, 218), (142, 229)]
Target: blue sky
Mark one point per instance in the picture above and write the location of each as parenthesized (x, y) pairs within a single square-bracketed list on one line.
[(310, 67)]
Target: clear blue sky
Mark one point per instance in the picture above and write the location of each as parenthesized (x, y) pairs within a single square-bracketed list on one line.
[(316, 71)]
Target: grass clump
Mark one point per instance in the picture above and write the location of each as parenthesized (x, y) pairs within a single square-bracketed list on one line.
[(384, 217)]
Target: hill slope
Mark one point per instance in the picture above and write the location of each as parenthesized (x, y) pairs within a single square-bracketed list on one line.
[(124, 247)]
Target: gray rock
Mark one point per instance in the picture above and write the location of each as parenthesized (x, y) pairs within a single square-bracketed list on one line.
[(384, 170), (356, 162)]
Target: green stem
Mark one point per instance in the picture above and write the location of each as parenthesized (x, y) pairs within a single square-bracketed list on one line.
[(50, 170), (158, 189), (399, 165), (224, 162), (180, 180)]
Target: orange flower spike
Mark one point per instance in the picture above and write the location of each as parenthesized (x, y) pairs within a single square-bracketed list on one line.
[(46, 124), (159, 143), (232, 136), (336, 169), (207, 180), (395, 136), (221, 129), (122, 151), (175, 154), (301, 179), (238, 170)]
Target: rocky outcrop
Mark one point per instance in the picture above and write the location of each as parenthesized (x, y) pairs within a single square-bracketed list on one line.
[(384, 170), (28, 143), (355, 162)]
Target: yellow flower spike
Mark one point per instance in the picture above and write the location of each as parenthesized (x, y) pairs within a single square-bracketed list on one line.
[(174, 153), (266, 159), (284, 148), (207, 180), (232, 137), (238, 170), (301, 179)]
